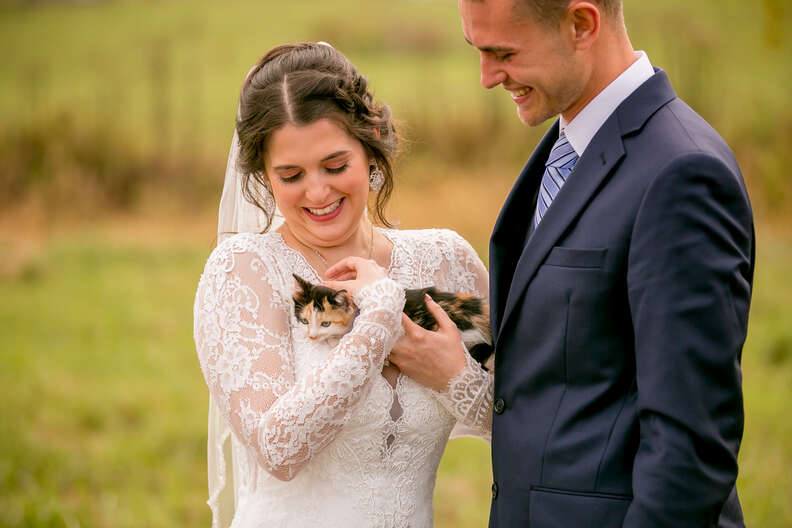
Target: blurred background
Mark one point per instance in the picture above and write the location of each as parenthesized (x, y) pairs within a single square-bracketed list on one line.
[(115, 123)]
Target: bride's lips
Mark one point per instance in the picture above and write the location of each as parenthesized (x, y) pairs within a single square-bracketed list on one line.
[(332, 209)]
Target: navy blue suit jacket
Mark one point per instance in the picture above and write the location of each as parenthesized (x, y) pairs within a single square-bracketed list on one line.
[(619, 325)]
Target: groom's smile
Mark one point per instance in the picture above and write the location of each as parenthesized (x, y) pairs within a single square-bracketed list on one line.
[(519, 95)]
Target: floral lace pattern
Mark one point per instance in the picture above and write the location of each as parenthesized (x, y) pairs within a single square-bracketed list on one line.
[(314, 440), (469, 398)]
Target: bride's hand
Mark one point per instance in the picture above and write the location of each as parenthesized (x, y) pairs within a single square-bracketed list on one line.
[(352, 274)]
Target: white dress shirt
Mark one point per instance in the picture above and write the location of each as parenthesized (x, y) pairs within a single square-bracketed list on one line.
[(583, 126)]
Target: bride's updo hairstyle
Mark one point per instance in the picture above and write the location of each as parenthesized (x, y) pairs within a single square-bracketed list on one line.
[(299, 84)]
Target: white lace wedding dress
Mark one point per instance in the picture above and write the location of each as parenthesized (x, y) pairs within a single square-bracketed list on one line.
[(318, 436)]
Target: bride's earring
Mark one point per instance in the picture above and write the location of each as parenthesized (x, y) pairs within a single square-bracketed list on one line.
[(376, 176)]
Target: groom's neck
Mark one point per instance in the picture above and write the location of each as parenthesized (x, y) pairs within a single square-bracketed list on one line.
[(609, 56)]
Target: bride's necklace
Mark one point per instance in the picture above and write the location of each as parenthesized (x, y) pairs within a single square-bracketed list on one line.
[(324, 260)]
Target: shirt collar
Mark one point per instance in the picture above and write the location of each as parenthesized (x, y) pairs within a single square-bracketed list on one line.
[(581, 130)]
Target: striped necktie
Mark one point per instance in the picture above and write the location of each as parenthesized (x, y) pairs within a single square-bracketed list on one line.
[(559, 164)]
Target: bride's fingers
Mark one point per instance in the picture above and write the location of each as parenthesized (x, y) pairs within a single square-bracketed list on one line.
[(410, 327), (344, 265), (363, 270), (343, 276), (335, 285), (336, 272), (444, 322)]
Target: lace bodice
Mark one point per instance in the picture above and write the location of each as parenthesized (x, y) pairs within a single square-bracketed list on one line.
[(319, 437)]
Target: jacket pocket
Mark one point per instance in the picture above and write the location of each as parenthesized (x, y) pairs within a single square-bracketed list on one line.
[(576, 258), (551, 508)]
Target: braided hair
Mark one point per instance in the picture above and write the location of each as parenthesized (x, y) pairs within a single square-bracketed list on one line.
[(299, 84)]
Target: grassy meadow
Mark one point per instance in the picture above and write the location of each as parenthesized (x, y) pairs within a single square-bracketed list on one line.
[(115, 119)]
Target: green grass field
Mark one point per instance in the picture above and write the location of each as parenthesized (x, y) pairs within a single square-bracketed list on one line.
[(103, 419)]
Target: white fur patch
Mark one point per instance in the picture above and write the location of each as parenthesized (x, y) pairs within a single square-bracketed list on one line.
[(473, 337)]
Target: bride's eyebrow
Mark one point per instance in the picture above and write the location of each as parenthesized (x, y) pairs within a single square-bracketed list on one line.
[(326, 158), (335, 155)]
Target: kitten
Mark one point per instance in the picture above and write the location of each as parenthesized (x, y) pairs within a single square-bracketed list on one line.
[(329, 314)]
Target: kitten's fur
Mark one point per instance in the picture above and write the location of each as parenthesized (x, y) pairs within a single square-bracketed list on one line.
[(329, 314)]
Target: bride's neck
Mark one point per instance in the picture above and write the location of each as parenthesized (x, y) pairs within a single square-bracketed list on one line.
[(361, 243)]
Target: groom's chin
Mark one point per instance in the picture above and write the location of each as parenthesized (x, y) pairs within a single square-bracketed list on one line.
[(529, 118)]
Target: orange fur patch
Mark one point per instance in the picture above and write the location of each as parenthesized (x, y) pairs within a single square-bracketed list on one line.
[(305, 313)]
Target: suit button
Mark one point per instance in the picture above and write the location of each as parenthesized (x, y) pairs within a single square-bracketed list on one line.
[(494, 490), (499, 406)]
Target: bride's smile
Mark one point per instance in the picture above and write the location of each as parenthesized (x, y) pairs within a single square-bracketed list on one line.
[(324, 214)]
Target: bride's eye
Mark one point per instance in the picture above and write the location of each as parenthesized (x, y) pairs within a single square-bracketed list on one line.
[(337, 169), (289, 178)]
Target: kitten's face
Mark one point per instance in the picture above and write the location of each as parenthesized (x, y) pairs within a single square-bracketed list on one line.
[(325, 312)]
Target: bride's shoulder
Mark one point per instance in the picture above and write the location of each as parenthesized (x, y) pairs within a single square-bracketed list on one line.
[(426, 238), (244, 246)]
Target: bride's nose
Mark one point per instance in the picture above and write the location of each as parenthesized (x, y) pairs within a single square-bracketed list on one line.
[(317, 189)]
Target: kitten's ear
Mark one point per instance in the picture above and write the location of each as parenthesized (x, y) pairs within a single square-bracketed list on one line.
[(342, 299), (302, 284)]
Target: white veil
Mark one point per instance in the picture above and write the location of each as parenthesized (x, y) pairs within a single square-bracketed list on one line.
[(236, 215)]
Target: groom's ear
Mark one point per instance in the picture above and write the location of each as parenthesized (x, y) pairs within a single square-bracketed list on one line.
[(582, 23)]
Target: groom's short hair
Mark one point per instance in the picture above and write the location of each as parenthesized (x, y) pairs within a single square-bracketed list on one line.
[(549, 12)]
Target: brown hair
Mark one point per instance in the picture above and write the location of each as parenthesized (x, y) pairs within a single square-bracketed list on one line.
[(550, 12), (300, 84)]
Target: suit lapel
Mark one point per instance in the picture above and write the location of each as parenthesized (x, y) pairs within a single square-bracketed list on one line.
[(514, 225), (591, 172)]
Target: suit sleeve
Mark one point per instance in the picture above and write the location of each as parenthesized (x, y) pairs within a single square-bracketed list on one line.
[(689, 286)]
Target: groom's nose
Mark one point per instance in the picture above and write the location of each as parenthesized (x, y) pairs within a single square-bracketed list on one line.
[(491, 72)]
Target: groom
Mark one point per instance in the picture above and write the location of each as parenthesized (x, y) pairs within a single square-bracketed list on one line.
[(621, 268)]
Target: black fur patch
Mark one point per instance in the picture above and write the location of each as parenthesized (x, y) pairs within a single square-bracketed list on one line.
[(305, 293)]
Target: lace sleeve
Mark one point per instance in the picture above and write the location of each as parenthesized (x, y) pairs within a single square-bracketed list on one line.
[(242, 337), (469, 395)]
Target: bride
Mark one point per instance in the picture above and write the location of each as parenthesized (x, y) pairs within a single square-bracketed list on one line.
[(302, 433)]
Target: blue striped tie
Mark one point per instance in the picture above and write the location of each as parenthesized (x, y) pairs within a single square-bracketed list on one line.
[(559, 164)]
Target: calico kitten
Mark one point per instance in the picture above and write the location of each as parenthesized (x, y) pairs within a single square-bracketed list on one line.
[(329, 314)]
